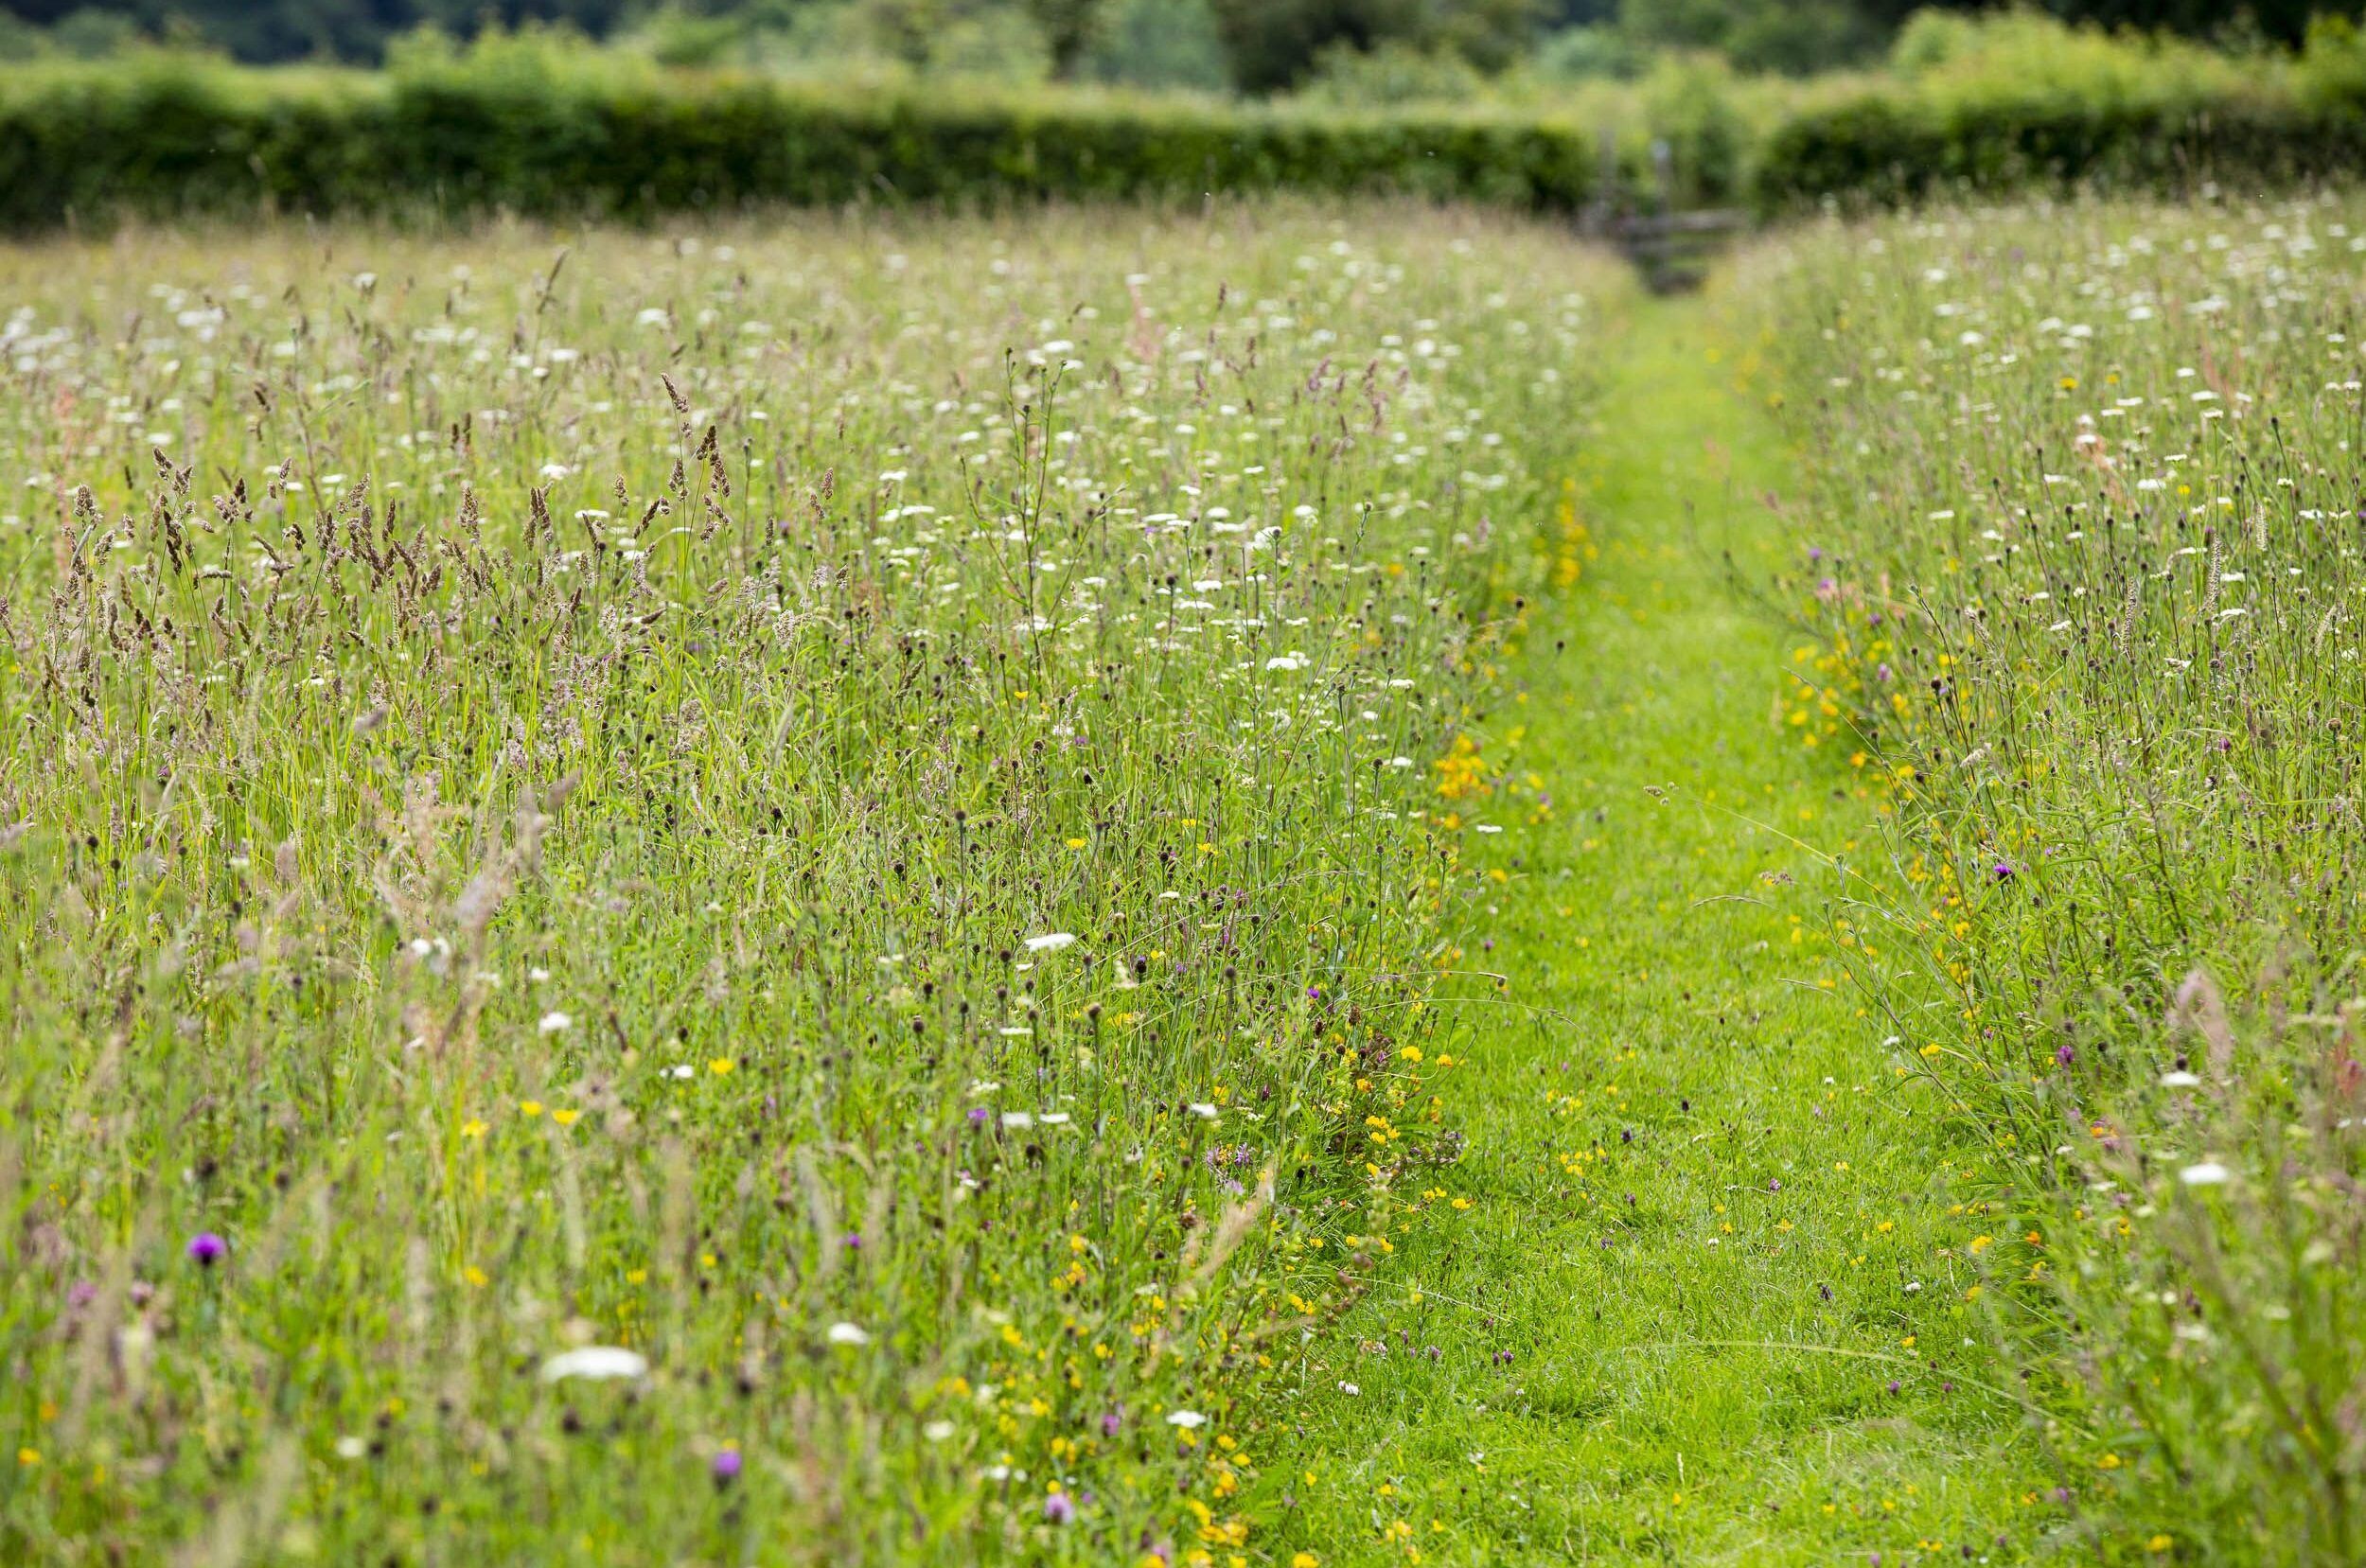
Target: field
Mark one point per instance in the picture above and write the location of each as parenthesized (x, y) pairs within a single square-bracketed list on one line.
[(1285, 883), (854, 812)]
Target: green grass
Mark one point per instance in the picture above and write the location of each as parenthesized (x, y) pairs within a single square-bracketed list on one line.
[(1706, 1303), (841, 809), (1711, 932), (2088, 490)]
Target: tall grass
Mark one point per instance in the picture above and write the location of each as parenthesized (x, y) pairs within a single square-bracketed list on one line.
[(759, 895), (2084, 548)]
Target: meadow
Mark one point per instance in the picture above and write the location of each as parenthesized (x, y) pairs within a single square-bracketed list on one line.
[(759, 894), (1279, 882), (2082, 537)]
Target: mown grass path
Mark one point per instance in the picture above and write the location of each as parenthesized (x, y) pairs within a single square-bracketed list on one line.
[(1707, 1300)]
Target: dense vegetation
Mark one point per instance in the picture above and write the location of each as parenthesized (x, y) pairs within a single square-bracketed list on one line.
[(746, 896), (537, 125), (1254, 45), (2086, 497)]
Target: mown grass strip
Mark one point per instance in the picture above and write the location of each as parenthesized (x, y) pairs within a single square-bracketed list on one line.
[(1696, 1289)]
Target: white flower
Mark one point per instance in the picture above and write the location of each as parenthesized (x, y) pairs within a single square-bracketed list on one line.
[(847, 1333), (1287, 662), (2180, 1081), (351, 1448), (2208, 1173), (596, 1362), (1186, 1419), (1018, 1118), (936, 1432), (1050, 942), (554, 1022), (1204, 1110), (1349, 1388)]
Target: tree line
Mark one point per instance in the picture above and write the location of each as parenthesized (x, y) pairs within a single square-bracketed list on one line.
[(1255, 46)]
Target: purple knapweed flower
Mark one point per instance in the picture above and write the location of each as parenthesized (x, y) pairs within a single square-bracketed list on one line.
[(726, 1465), (2065, 1055), (1057, 1509), (206, 1249)]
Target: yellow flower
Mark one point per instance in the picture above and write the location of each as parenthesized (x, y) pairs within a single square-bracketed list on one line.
[(565, 1119), (474, 1275), (2159, 1543), (721, 1066), (473, 1128), (1305, 1560), (530, 1107), (1076, 843), (29, 1457)]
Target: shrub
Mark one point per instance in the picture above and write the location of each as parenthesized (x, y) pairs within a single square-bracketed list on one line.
[(520, 128)]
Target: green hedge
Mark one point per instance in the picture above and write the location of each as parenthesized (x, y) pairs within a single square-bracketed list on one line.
[(1888, 149), (87, 146), (536, 134)]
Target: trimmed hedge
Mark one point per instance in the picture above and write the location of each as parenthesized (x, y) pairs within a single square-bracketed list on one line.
[(1888, 149), (164, 139), (88, 146)]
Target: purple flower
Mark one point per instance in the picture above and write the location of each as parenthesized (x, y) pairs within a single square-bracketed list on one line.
[(2065, 1055), (1057, 1509), (206, 1249), (977, 1116), (2004, 871), (726, 1465), (854, 1241), (1110, 1423), (1773, 1184), (1893, 1385)]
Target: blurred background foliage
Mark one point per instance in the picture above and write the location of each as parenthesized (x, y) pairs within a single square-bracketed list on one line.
[(1381, 51)]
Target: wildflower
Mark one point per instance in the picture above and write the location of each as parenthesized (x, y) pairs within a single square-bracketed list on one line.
[(725, 1465), (721, 1066), (1187, 1419), (554, 1022), (2180, 1080), (1050, 942), (2065, 1055), (596, 1363), (1057, 1509), (847, 1333), (2208, 1173), (206, 1249)]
